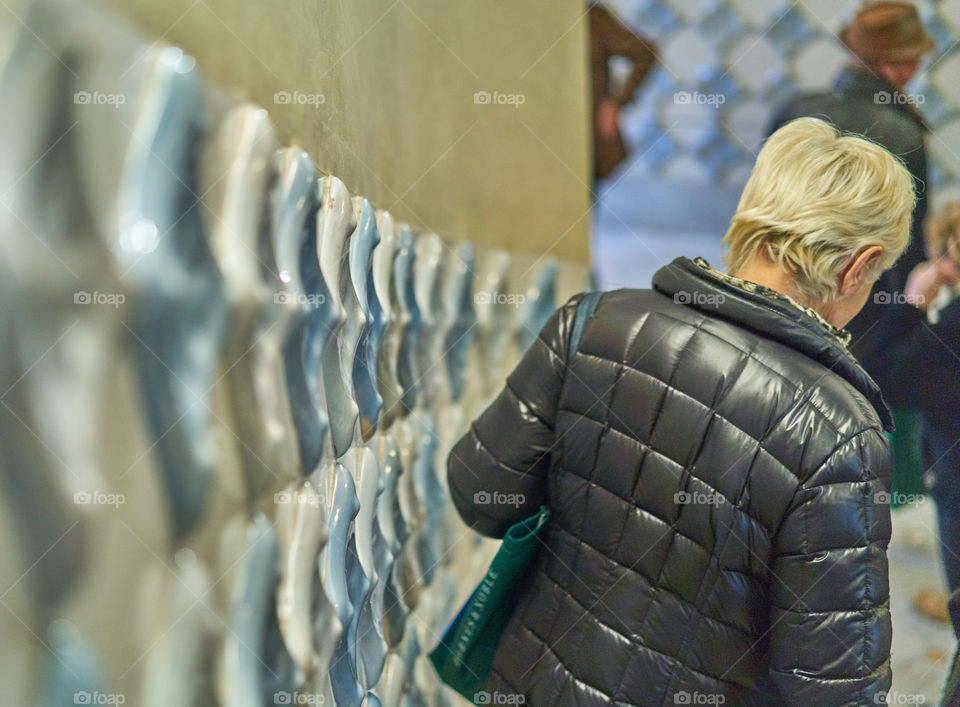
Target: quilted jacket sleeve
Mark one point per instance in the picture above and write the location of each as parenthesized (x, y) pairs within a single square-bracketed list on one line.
[(497, 471), (829, 617)]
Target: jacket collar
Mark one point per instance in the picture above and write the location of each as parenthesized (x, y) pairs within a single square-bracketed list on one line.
[(770, 314), (856, 80)]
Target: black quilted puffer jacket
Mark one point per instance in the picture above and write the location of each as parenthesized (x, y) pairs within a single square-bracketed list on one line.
[(715, 464)]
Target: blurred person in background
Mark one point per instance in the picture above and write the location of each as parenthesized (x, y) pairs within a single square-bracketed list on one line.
[(713, 458), (951, 693), (931, 340), (886, 41), (609, 38), (942, 236)]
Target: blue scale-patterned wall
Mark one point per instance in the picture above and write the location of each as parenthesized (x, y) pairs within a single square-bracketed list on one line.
[(745, 57)]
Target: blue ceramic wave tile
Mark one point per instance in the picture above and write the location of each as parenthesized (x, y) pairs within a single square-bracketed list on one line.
[(430, 272), (431, 497), (388, 354), (335, 224), (302, 533), (339, 581), (410, 317), (371, 642), (362, 244), (415, 697), (52, 537), (256, 663), (396, 534), (348, 687), (38, 313), (540, 303), (294, 198), (463, 327), (371, 648), (324, 319), (237, 174), (70, 673), (179, 325)]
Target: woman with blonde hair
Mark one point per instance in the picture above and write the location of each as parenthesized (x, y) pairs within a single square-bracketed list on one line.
[(713, 459)]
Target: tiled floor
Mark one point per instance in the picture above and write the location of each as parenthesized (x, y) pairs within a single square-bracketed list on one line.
[(922, 649), (628, 247)]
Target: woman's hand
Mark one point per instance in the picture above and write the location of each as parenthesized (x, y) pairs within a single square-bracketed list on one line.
[(926, 280), (608, 115)]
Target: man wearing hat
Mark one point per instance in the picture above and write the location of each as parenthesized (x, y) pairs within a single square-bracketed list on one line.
[(886, 41)]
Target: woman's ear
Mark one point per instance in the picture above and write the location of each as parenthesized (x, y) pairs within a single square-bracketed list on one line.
[(860, 269)]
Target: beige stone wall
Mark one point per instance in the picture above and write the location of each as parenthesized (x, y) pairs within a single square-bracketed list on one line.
[(398, 121)]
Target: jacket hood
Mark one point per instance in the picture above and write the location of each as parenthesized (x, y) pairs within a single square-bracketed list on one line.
[(773, 317)]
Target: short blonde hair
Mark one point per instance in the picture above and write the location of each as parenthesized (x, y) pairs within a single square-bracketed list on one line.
[(942, 232), (814, 199)]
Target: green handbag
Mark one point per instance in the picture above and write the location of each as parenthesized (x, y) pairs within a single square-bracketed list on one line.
[(464, 657), (906, 483)]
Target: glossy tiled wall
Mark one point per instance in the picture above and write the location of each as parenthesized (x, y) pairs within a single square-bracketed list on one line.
[(228, 388)]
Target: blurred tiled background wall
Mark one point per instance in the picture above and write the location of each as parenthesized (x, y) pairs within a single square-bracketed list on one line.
[(698, 121)]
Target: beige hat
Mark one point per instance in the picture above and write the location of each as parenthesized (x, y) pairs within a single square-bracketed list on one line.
[(887, 31)]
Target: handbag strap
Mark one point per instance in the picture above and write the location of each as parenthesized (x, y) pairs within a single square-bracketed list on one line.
[(585, 309)]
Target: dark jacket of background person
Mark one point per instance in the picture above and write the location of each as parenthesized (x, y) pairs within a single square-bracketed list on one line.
[(609, 37), (712, 470), (928, 358), (868, 105), (951, 693)]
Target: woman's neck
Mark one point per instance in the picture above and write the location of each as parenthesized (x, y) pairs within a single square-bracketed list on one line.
[(766, 272)]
